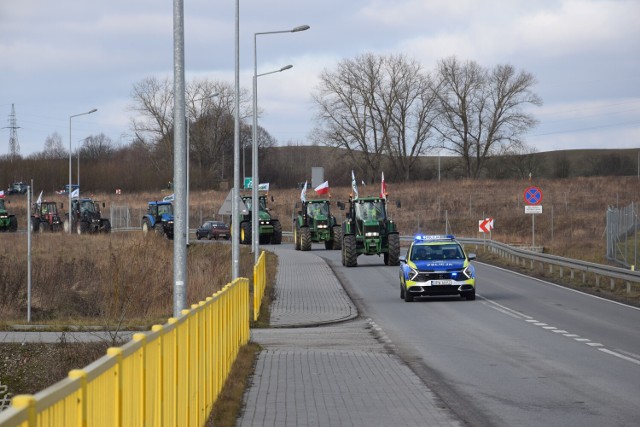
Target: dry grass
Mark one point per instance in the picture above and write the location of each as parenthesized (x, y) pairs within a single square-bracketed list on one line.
[(117, 280)]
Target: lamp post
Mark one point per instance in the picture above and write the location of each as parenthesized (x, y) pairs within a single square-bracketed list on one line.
[(254, 139), (70, 182)]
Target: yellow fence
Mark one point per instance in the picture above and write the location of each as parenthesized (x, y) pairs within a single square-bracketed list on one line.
[(170, 376), (259, 284)]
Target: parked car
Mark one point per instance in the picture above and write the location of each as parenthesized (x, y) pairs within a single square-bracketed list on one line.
[(17, 188), (213, 230)]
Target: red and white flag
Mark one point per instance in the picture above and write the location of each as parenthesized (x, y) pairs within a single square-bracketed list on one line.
[(383, 188), (323, 188), (1, 194)]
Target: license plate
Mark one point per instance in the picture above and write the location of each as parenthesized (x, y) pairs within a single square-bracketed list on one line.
[(441, 282)]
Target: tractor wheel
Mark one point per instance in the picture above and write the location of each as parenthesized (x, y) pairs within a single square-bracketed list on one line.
[(35, 222), (106, 226), (13, 224), (276, 238), (393, 256), (296, 237), (159, 229), (42, 227), (245, 233), (145, 226), (305, 239), (82, 227), (337, 237), (349, 251)]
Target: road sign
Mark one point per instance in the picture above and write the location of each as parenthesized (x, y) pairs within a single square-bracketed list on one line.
[(537, 209), (485, 225), (533, 196)]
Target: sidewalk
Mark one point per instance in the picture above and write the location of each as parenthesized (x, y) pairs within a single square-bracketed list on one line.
[(321, 365)]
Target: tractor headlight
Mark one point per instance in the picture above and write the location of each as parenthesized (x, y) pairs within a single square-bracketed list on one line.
[(372, 234)]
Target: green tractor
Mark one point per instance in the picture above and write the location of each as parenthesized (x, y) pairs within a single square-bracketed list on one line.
[(367, 230), (314, 223), (7, 222), (269, 228)]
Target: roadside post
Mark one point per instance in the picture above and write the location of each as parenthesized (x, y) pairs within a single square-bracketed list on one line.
[(533, 200)]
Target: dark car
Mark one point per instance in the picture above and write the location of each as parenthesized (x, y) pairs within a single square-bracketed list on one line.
[(17, 188), (213, 230)]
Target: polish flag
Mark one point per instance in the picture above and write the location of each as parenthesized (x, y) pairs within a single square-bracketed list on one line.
[(1, 194), (383, 188), (323, 188)]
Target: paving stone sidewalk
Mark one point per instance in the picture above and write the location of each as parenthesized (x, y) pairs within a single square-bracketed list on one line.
[(342, 373)]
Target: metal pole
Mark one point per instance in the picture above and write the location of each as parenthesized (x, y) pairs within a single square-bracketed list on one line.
[(70, 182), (255, 206), (235, 214), (179, 160), (29, 254), (533, 231)]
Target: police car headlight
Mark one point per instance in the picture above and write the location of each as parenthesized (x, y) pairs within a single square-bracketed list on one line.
[(468, 272), (372, 234), (413, 273)]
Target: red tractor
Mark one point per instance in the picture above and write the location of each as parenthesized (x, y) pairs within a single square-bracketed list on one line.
[(44, 217)]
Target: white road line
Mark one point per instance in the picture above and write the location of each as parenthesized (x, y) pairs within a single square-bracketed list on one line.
[(516, 314), (621, 356)]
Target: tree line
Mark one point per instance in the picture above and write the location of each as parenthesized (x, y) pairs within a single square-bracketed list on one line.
[(373, 113)]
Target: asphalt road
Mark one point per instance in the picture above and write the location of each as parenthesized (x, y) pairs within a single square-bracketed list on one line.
[(526, 352)]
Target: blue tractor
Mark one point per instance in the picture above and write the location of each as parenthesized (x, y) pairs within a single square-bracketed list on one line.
[(159, 218)]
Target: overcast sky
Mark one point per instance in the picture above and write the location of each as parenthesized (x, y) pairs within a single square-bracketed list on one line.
[(61, 58)]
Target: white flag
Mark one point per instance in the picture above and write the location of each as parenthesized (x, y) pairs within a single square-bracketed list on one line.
[(303, 193), (39, 201), (75, 193), (354, 185)]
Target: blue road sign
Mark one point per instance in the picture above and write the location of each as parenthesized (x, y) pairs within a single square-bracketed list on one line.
[(533, 196)]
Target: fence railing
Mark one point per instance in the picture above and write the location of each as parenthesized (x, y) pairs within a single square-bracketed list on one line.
[(561, 266), (259, 284), (170, 376)]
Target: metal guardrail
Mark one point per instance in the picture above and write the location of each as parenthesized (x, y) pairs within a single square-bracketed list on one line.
[(524, 256)]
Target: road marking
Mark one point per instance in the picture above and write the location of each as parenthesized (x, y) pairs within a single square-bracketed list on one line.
[(621, 356), (518, 315)]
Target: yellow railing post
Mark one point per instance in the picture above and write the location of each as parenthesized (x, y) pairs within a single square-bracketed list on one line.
[(28, 403)]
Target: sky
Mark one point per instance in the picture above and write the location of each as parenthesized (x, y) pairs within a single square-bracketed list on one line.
[(62, 58)]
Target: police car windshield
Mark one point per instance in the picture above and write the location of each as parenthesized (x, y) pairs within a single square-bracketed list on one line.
[(445, 251)]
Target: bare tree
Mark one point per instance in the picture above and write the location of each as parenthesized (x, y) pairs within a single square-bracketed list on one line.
[(376, 107), (97, 147), (53, 148), (481, 111), (350, 104), (413, 110), (153, 124)]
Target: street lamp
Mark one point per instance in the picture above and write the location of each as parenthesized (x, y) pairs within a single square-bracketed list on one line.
[(254, 139), (70, 183)]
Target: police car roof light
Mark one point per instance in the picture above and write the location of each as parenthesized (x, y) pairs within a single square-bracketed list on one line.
[(425, 238)]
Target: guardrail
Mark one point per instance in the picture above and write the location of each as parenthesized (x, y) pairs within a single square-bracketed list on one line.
[(170, 376), (557, 265), (552, 263)]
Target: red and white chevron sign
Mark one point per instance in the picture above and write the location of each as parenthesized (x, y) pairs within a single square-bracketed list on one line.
[(485, 225)]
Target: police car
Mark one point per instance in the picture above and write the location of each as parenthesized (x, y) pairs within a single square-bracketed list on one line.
[(436, 265)]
